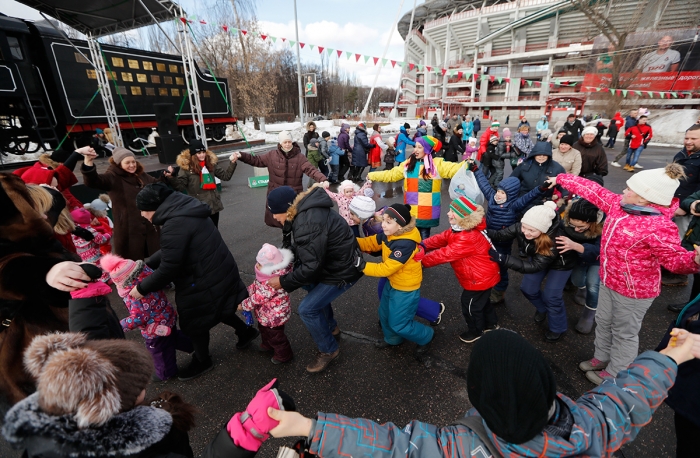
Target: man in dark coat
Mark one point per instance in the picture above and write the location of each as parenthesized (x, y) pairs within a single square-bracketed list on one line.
[(359, 152), (327, 256), (573, 126), (196, 259), (477, 126)]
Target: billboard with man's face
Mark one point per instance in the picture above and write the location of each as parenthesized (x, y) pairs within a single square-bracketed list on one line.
[(310, 85), (650, 61)]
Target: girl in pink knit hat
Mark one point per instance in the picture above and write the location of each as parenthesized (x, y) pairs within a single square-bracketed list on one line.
[(153, 315), (271, 306)]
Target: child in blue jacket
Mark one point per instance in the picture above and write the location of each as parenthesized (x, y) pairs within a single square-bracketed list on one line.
[(335, 152), (401, 141), (517, 410), (504, 207)]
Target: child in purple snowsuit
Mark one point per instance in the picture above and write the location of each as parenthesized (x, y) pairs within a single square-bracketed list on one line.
[(153, 314)]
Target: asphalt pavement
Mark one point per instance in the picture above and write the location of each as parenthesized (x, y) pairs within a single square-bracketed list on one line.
[(388, 385)]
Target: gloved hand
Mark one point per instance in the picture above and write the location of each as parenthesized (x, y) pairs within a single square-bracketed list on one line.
[(545, 186), (91, 270), (420, 254), (158, 329), (360, 264), (497, 257), (472, 165), (249, 429), (83, 234)]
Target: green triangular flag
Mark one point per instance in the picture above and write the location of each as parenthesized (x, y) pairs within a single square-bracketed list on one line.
[(330, 51), (234, 30), (366, 58), (674, 94), (452, 73), (311, 46), (500, 80), (624, 93), (650, 94), (597, 89), (420, 67), (529, 83), (557, 82), (639, 93), (274, 39), (384, 61), (348, 54), (402, 64), (292, 43)]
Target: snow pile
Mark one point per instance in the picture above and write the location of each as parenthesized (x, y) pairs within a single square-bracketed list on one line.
[(12, 158), (669, 126)]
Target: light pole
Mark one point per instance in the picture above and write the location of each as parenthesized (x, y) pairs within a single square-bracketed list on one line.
[(301, 94)]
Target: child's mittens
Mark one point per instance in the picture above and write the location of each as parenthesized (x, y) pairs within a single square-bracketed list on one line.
[(158, 329), (369, 192), (91, 290), (83, 234), (248, 317), (420, 254), (249, 429)]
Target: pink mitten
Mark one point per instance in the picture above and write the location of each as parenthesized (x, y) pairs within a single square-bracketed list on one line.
[(251, 428), (91, 290), (158, 329)]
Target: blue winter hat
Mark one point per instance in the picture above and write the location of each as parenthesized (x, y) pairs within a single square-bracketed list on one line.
[(99, 131), (280, 199)]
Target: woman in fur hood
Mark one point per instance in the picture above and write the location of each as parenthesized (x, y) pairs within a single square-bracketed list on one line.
[(466, 247), (198, 167)]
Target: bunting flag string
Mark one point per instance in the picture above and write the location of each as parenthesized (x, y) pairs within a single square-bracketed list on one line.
[(651, 94)]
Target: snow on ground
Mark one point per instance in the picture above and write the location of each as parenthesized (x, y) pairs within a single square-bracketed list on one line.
[(11, 158), (670, 126)]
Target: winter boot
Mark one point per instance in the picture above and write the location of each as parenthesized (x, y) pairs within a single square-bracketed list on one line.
[(585, 323), (580, 297), (497, 297)]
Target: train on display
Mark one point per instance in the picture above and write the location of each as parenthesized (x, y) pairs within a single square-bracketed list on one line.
[(49, 91)]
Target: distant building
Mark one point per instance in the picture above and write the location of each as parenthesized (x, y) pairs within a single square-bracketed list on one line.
[(524, 46)]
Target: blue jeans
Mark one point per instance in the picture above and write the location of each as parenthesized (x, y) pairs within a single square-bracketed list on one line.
[(396, 312), (634, 155), (588, 276), (424, 232), (503, 284), (317, 314), (549, 300), (427, 309)]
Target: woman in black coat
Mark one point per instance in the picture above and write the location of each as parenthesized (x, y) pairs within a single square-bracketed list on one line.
[(196, 259), (455, 149)]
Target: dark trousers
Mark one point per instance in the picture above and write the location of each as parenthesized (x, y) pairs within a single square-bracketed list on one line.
[(503, 249), (276, 340), (611, 141), (215, 218), (695, 289), (687, 433), (344, 163), (424, 232), (356, 172), (624, 150), (478, 311), (163, 349), (200, 342), (549, 300)]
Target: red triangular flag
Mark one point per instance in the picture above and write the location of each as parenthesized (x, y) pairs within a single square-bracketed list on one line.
[(443, 70), (340, 53), (357, 57), (263, 36), (410, 67), (202, 22), (507, 80), (184, 20), (283, 40), (302, 45), (459, 75), (393, 63), (225, 27), (244, 31), (375, 60), (430, 69), (492, 78), (320, 49)]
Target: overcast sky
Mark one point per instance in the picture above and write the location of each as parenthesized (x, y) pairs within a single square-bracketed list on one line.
[(357, 26)]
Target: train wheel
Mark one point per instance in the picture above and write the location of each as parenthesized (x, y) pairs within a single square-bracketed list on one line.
[(24, 146), (218, 133), (187, 134)]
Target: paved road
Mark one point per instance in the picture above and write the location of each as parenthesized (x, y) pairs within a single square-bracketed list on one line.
[(387, 385)]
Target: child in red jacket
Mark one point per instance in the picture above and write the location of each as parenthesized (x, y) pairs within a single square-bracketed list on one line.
[(466, 247), (640, 136)]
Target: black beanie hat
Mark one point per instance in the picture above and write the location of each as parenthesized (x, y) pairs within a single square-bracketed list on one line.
[(280, 199), (407, 125), (568, 139), (400, 212), (151, 196), (325, 134), (196, 146), (583, 210), (511, 385)]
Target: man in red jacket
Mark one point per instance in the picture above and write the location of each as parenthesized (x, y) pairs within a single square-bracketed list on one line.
[(640, 136), (484, 141)]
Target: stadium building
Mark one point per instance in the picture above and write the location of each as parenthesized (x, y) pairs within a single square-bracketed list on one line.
[(542, 56)]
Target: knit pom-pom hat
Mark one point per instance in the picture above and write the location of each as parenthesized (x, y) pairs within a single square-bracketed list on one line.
[(122, 271), (81, 216), (540, 216), (271, 259), (658, 186), (430, 144)]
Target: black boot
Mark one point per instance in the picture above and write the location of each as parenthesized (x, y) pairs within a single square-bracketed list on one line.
[(195, 369)]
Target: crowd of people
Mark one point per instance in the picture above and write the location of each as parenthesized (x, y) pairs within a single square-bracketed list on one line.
[(83, 386)]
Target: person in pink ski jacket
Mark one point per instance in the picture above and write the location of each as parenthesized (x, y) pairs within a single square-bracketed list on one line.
[(638, 238)]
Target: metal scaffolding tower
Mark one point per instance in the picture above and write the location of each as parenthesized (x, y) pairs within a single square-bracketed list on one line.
[(190, 69), (105, 90)]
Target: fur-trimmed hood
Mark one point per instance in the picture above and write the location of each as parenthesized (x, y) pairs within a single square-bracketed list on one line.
[(473, 220), (27, 426), (405, 230), (184, 160), (287, 258)]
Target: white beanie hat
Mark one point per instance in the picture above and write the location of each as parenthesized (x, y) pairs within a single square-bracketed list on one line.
[(284, 135), (589, 130), (540, 216), (658, 186), (363, 206)]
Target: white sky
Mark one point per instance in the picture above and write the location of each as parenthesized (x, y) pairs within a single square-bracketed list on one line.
[(361, 27)]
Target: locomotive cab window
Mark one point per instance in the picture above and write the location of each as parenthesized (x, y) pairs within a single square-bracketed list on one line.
[(15, 48)]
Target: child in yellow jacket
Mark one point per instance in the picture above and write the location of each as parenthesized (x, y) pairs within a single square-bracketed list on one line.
[(399, 244)]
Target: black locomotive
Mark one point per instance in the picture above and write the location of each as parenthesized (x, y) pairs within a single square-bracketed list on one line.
[(48, 89)]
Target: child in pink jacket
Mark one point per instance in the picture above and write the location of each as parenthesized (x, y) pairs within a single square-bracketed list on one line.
[(346, 191), (638, 238), (271, 306)]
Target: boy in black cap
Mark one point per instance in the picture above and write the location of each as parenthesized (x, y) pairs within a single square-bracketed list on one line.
[(400, 245)]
